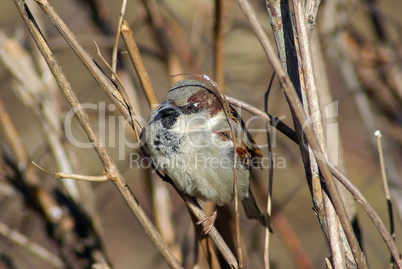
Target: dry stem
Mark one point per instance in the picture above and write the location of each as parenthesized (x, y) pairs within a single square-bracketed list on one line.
[(302, 118), (116, 44), (110, 167), (139, 65), (32, 247), (358, 196), (219, 69)]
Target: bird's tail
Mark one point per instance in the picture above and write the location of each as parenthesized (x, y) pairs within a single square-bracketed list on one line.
[(254, 212)]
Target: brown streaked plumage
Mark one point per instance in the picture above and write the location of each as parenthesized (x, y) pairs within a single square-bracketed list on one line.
[(189, 131)]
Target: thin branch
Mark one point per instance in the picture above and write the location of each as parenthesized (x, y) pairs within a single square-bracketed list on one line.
[(74, 176), (161, 203), (219, 69), (367, 207), (110, 167), (104, 82), (334, 238), (163, 36), (116, 45), (324, 206), (270, 177), (308, 72), (382, 164), (296, 105), (13, 139), (139, 65), (311, 11), (125, 95), (213, 233), (358, 196), (32, 247), (34, 93), (82, 177), (225, 104), (386, 188), (312, 109)]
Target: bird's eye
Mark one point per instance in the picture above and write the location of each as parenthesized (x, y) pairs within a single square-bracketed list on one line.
[(190, 107)]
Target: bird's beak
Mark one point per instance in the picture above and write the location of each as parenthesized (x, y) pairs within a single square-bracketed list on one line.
[(166, 104), (166, 110)]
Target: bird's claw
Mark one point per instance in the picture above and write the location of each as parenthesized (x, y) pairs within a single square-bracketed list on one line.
[(209, 222)]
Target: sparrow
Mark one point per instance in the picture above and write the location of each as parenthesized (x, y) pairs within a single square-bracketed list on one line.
[(189, 138)]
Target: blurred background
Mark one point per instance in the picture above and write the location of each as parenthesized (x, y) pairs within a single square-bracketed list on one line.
[(358, 49)]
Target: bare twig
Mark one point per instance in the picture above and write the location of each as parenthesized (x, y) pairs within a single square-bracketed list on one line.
[(74, 176), (31, 89), (116, 45), (384, 177), (296, 105), (270, 177), (312, 108), (126, 99), (311, 10), (161, 199), (163, 34), (334, 238), (219, 70), (358, 196), (104, 82), (191, 203), (284, 33), (235, 191), (327, 214), (110, 167), (139, 65), (375, 218), (385, 184), (32, 247), (330, 110), (152, 100), (12, 137), (213, 233)]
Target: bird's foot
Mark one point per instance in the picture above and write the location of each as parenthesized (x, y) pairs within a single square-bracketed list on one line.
[(209, 222)]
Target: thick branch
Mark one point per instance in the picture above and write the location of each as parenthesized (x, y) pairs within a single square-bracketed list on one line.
[(296, 105)]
